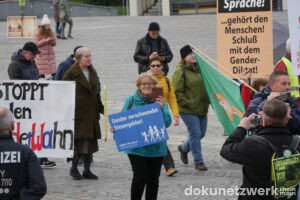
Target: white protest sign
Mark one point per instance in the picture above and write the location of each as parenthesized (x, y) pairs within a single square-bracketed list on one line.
[(44, 115), (294, 28)]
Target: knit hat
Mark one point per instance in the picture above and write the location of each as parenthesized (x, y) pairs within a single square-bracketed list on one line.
[(45, 20), (76, 48), (186, 50), (154, 26)]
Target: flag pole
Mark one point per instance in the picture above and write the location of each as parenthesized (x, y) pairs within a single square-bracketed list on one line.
[(105, 115), (212, 60)]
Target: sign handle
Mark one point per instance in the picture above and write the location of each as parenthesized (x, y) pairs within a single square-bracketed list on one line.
[(105, 115)]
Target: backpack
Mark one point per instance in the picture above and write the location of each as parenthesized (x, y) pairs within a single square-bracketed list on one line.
[(285, 166)]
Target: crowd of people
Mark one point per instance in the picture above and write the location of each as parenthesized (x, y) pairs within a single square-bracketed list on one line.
[(184, 95)]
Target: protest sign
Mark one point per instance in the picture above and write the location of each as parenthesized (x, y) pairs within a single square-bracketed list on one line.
[(244, 32), (138, 127), (44, 115), (294, 28), (18, 27)]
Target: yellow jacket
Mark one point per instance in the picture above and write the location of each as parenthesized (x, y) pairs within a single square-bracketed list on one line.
[(169, 95)]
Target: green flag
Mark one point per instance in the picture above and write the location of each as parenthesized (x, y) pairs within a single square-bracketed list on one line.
[(224, 95)]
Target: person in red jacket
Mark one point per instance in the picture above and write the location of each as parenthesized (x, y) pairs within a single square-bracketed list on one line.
[(246, 93), (282, 65)]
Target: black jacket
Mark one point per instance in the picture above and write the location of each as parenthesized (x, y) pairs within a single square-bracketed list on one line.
[(22, 69), (259, 100), (23, 168), (63, 67), (144, 49), (255, 157)]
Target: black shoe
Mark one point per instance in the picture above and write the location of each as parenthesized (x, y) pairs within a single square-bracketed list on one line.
[(75, 174), (70, 36), (200, 167), (183, 155), (47, 164), (58, 36), (89, 175)]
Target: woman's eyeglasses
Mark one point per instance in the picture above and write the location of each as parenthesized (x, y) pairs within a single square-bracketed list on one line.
[(150, 84), (158, 66)]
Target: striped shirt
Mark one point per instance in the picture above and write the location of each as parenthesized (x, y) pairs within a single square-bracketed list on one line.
[(86, 74)]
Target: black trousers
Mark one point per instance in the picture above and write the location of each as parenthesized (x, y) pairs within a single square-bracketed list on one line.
[(146, 172), (168, 161)]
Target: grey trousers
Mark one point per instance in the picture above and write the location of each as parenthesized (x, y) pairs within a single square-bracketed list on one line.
[(70, 22)]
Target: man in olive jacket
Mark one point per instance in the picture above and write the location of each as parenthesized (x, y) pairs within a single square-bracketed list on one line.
[(152, 45)]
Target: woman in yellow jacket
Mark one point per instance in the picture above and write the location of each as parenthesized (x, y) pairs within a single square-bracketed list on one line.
[(156, 67)]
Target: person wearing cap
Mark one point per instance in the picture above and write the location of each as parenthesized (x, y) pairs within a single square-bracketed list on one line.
[(45, 40), (65, 65), (65, 17), (152, 45), (193, 105), (285, 64), (22, 65)]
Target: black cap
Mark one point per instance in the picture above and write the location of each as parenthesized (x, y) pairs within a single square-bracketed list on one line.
[(186, 50), (30, 46), (154, 26), (76, 48)]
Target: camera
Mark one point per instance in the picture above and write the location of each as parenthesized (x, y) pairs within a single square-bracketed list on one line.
[(284, 96), (256, 120)]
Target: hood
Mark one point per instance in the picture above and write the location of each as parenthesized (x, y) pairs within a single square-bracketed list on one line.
[(188, 67), (266, 91), (18, 56), (70, 59)]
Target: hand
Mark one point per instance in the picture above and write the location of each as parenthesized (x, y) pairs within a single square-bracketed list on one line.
[(154, 54), (49, 39), (273, 95), (246, 122), (246, 75), (112, 130), (160, 101), (176, 121), (163, 58), (42, 79), (288, 110)]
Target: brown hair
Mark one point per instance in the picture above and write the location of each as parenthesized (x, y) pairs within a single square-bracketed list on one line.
[(140, 78), (182, 61), (43, 34), (276, 74), (275, 112), (158, 58), (257, 83)]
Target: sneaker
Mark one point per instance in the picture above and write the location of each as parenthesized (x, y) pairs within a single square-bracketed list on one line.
[(58, 36), (200, 167), (183, 155), (63, 38), (47, 164), (171, 172), (70, 36)]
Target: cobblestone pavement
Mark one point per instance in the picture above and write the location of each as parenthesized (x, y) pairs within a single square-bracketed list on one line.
[(112, 41)]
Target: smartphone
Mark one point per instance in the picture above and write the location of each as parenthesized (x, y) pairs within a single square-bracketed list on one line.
[(156, 92)]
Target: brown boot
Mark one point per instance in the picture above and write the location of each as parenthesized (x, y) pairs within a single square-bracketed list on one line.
[(183, 155), (200, 167)]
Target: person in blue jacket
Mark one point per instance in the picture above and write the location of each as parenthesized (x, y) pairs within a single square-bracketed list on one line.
[(146, 161), (65, 65)]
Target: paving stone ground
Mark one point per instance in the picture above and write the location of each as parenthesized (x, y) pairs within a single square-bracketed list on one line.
[(112, 41)]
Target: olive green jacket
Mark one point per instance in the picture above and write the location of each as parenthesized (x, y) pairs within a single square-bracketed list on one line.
[(190, 92)]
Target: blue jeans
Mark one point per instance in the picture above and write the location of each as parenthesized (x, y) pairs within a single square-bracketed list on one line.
[(197, 128)]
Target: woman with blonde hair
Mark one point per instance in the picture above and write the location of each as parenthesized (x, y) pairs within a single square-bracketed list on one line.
[(146, 161), (45, 40), (87, 112)]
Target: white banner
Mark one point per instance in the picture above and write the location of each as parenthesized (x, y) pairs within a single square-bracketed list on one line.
[(294, 27), (44, 114)]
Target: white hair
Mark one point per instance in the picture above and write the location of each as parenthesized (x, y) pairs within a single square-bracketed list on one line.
[(6, 119), (79, 53)]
